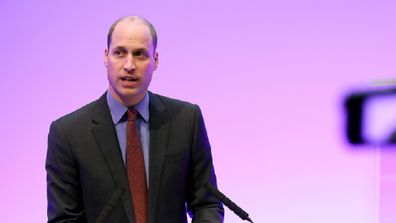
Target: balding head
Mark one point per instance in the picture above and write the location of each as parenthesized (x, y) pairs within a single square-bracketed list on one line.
[(133, 19)]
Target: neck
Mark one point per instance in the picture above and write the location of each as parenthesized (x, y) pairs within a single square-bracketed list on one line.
[(127, 101)]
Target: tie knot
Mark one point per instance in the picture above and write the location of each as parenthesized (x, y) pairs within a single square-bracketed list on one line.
[(132, 114)]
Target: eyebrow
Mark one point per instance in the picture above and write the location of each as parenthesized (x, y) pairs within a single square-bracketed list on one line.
[(119, 48), (134, 50), (140, 49)]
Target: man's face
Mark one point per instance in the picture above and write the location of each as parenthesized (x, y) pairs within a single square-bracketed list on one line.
[(130, 62)]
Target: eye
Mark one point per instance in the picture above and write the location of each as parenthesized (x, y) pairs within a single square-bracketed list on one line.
[(119, 52), (140, 54)]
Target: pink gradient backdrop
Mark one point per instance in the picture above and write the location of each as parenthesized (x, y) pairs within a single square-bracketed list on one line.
[(268, 75)]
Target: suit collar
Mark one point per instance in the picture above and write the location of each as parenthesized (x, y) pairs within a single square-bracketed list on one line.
[(156, 105)]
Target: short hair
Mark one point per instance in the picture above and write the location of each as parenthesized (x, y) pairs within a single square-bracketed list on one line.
[(153, 32)]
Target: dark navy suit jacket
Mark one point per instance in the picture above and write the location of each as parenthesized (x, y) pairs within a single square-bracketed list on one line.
[(85, 168)]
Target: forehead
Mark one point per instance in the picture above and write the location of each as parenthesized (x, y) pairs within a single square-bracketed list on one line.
[(131, 34)]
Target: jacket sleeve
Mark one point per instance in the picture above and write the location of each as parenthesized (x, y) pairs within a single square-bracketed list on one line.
[(202, 206), (63, 184)]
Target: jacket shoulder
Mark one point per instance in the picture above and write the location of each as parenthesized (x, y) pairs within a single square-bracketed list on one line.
[(172, 103), (84, 114)]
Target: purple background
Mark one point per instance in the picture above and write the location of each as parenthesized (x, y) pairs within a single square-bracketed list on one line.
[(268, 75)]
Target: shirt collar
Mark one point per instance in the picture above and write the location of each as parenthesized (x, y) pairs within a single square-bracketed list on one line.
[(118, 110)]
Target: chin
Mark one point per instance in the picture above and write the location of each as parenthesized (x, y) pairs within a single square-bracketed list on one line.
[(132, 94)]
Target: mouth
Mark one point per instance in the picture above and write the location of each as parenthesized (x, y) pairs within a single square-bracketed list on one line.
[(129, 78)]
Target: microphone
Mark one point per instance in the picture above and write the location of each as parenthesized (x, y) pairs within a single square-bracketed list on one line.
[(109, 206), (227, 202)]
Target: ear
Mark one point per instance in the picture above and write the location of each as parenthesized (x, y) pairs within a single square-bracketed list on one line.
[(156, 60), (106, 56)]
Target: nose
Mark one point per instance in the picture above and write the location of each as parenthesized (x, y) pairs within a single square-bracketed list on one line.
[(129, 65)]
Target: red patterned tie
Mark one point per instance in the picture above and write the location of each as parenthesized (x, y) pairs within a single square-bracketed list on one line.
[(135, 168)]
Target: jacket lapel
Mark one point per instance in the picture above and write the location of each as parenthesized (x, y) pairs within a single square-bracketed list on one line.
[(106, 136), (159, 131)]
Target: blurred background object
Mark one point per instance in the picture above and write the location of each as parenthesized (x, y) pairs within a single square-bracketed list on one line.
[(371, 116)]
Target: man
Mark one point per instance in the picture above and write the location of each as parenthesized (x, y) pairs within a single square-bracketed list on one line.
[(131, 155)]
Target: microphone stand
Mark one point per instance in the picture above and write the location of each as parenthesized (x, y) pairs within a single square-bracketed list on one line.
[(227, 202)]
